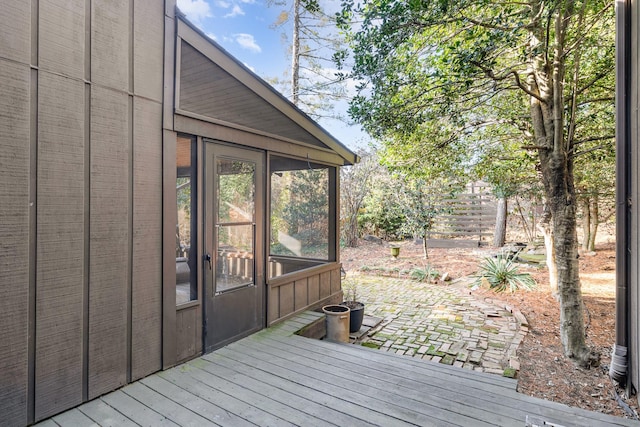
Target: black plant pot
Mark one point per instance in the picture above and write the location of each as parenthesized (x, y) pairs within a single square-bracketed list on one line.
[(356, 315)]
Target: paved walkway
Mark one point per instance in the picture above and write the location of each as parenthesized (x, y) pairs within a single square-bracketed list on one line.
[(441, 323)]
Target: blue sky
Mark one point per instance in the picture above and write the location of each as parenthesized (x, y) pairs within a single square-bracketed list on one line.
[(245, 29)]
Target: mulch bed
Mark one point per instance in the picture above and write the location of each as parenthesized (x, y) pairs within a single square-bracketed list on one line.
[(544, 371)]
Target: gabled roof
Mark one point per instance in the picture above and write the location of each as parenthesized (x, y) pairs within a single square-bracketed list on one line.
[(214, 84)]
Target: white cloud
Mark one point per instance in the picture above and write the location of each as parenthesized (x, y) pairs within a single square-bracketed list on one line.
[(212, 36), (248, 42), (196, 10), (223, 4), (249, 67), (247, 1), (235, 11)]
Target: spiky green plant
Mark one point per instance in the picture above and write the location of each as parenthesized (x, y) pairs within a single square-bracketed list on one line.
[(424, 274), (502, 274)]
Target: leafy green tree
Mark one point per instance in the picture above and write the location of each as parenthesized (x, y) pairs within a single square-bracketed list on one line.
[(421, 202), (428, 68), (381, 210)]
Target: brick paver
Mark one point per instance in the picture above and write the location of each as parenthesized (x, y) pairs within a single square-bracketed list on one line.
[(441, 323)]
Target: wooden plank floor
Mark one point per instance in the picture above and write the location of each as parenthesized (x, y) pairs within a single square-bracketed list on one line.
[(274, 378)]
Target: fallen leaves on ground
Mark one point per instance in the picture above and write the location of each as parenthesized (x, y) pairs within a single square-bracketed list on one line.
[(544, 370)]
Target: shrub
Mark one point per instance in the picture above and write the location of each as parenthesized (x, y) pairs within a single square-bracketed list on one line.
[(502, 274), (424, 274)]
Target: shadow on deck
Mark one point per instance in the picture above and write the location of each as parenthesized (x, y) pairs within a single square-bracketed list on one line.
[(278, 378)]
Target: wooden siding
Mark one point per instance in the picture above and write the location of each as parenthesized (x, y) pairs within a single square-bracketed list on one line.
[(296, 292), (188, 323), (110, 38), (60, 244), (208, 90), (14, 244), (62, 37), (81, 312), (15, 31), (109, 240), (148, 49), (276, 378), (146, 346)]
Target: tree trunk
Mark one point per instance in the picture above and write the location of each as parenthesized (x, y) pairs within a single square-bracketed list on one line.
[(352, 232), (546, 85), (572, 332), (295, 53), (500, 232), (593, 213), (424, 244), (546, 229), (586, 224)]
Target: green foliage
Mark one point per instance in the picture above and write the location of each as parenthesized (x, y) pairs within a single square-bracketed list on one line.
[(446, 86), (380, 209), (350, 290), (425, 274), (183, 193), (502, 274), (354, 188)]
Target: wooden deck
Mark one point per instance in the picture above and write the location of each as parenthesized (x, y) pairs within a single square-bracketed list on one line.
[(276, 378)]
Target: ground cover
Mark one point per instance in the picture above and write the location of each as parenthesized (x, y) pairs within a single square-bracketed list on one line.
[(544, 371)]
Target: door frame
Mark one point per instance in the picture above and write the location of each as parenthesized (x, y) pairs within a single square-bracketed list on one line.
[(212, 150)]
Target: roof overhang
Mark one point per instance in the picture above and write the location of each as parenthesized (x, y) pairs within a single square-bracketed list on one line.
[(213, 86)]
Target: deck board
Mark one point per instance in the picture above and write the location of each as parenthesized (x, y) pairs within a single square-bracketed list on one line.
[(135, 410), (276, 378), (104, 415), (197, 383), (402, 403)]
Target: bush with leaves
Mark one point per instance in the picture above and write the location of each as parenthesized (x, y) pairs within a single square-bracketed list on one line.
[(503, 274)]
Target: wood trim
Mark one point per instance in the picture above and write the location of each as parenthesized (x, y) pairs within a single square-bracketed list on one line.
[(169, 71), (331, 298), (334, 214), (225, 61), (195, 124), (245, 128), (169, 141), (297, 275)]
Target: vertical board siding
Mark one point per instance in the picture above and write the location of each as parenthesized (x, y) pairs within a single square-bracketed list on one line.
[(325, 284), (110, 27), (15, 31), (14, 244), (335, 281), (109, 241), (147, 238), (148, 49), (301, 293), (62, 37), (314, 289), (186, 334), (287, 304), (60, 249)]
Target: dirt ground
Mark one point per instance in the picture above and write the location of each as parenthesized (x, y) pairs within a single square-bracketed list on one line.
[(544, 371)]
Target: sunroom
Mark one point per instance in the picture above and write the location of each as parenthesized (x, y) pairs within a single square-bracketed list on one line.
[(254, 202)]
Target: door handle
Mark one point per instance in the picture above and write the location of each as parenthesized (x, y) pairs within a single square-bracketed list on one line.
[(207, 258)]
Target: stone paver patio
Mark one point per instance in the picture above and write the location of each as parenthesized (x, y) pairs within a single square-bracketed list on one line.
[(441, 323)]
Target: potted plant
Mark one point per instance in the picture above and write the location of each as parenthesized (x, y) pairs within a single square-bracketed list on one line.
[(350, 293)]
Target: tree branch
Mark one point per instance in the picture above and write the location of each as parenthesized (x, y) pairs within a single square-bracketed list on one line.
[(489, 73)]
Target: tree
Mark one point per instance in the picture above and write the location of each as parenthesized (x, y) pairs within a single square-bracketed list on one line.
[(421, 202), (354, 187), (311, 84), (426, 69)]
